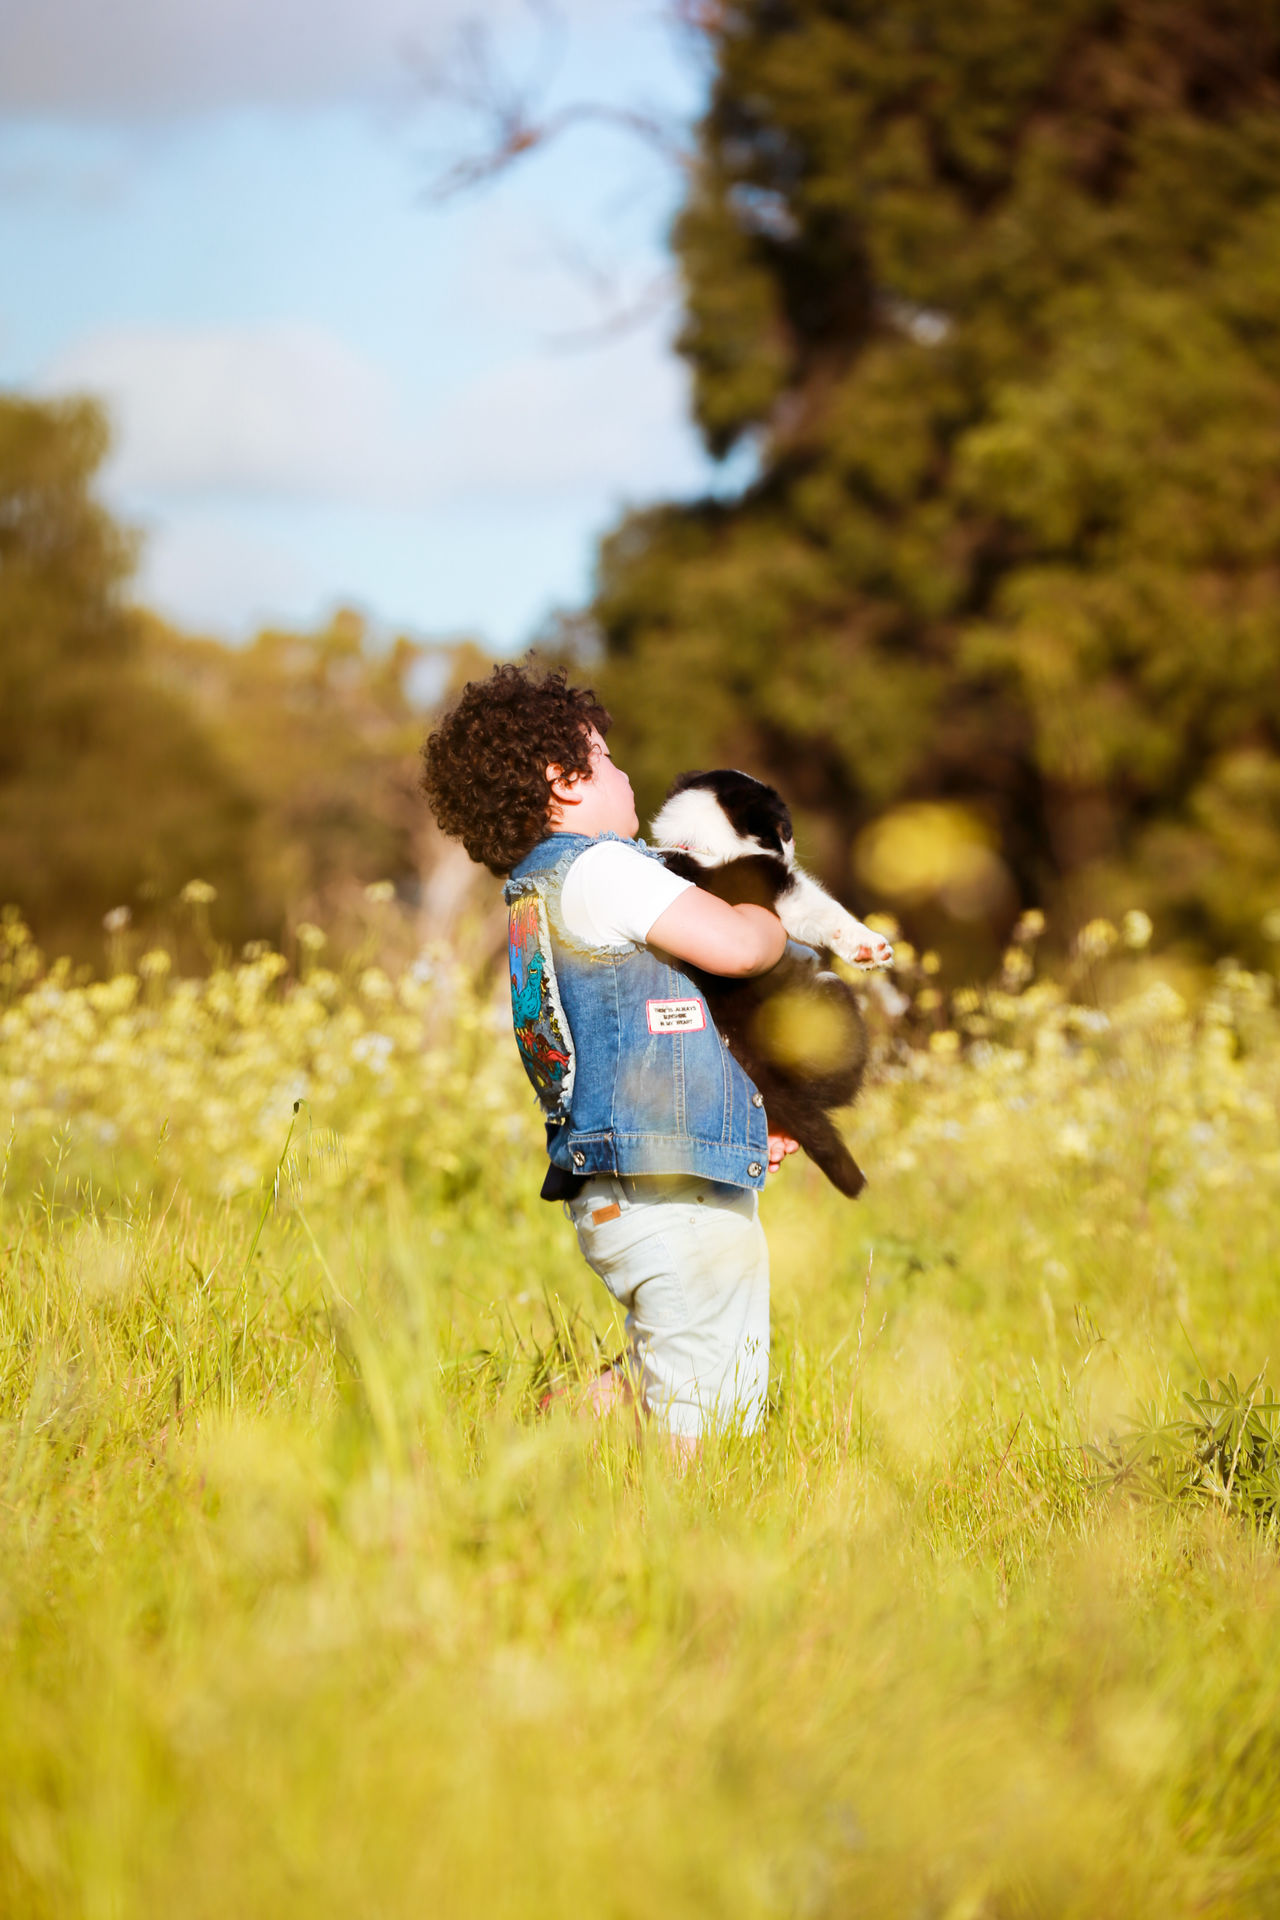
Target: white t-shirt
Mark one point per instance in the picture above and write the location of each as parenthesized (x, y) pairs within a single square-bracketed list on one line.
[(613, 893)]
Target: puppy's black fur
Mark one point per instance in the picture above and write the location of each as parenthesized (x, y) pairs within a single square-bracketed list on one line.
[(799, 1095)]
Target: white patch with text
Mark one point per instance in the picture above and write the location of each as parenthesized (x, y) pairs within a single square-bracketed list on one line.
[(676, 1016)]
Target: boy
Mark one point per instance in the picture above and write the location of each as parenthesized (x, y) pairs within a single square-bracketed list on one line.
[(657, 1139)]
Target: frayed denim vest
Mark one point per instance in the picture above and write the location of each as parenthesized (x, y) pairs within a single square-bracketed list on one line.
[(620, 1046)]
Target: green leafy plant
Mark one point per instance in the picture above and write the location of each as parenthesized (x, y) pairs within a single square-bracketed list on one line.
[(1224, 1451)]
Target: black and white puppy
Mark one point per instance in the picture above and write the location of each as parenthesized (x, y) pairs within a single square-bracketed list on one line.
[(797, 1031)]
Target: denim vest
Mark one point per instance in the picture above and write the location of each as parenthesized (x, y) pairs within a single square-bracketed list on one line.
[(620, 1046)]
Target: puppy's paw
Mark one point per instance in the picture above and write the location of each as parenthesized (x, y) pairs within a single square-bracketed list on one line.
[(860, 947)]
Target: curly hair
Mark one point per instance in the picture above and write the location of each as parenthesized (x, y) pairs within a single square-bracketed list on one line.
[(485, 764)]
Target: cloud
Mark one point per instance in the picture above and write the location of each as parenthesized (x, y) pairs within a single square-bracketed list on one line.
[(290, 412), (209, 571), (279, 409), (478, 568), (610, 420), (160, 58), (89, 184)]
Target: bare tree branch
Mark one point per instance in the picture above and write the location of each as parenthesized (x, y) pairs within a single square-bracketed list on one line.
[(512, 117), (625, 312), (701, 17)]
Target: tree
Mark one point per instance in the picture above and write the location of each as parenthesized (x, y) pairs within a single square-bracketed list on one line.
[(993, 291), (323, 729), (110, 790), (134, 758)]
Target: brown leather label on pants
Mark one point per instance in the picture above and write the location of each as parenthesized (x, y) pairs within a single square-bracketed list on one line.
[(602, 1214)]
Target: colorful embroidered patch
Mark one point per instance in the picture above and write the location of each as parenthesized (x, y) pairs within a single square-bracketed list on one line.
[(542, 1032), (676, 1016)]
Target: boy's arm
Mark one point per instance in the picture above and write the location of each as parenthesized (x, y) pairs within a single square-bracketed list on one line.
[(719, 938)]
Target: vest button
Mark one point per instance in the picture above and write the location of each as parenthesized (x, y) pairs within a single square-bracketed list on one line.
[(757, 1099), (754, 1169), (580, 1160)]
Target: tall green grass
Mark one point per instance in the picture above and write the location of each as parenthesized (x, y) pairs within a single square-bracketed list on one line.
[(305, 1606)]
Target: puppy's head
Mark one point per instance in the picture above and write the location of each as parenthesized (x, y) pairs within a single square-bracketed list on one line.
[(723, 815)]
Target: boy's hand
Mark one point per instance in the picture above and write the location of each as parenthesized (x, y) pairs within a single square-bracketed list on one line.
[(780, 1145)]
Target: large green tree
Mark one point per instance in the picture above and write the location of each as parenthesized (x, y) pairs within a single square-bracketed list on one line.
[(992, 291), (134, 758), (323, 729), (111, 793)]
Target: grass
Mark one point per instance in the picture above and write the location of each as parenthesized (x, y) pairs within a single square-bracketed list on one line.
[(305, 1608)]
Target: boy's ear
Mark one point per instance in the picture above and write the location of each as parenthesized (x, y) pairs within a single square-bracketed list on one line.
[(560, 782)]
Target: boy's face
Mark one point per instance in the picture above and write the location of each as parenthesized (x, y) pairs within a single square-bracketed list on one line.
[(594, 803)]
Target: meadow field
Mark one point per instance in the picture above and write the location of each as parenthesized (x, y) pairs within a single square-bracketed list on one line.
[(308, 1606)]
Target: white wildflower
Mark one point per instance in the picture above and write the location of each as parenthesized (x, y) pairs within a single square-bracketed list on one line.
[(1096, 940)]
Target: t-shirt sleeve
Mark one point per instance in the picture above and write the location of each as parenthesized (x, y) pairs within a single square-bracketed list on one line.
[(613, 894)]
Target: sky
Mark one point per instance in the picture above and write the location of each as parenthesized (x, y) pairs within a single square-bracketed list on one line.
[(327, 387)]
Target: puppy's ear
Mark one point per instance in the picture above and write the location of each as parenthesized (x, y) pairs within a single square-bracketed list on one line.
[(781, 814), (682, 783), (767, 819)]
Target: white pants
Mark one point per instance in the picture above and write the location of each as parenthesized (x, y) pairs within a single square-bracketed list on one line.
[(688, 1261)]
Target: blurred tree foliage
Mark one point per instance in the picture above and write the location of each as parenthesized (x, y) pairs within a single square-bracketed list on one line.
[(992, 291), (323, 730), (111, 790), (134, 758)]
